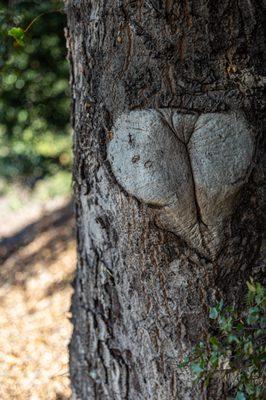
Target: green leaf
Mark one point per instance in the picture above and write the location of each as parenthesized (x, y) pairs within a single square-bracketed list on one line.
[(196, 368), (213, 313), (18, 34), (248, 347), (214, 341), (250, 389), (214, 360), (252, 319), (251, 286), (232, 338), (253, 310), (240, 396), (207, 381), (220, 305), (240, 327), (225, 323), (260, 289), (184, 363)]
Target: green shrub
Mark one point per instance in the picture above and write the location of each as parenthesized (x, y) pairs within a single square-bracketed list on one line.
[(35, 136)]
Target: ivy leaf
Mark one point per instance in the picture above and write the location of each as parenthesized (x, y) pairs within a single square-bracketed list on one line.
[(240, 327), (225, 323), (220, 305), (251, 286), (252, 319), (250, 389), (232, 338), (240, 396), (253, 310), (214, 359), (196, 368), (213, 313), (248, 347), (18, 34), (184, 363), (214, 341)]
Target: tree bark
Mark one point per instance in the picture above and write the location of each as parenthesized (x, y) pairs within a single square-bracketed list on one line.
[(167, 118)]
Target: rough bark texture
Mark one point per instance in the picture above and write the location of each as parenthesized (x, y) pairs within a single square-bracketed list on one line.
[(149, 263)]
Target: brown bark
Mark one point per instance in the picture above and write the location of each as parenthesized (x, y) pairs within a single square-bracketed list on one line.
[(142, 290)]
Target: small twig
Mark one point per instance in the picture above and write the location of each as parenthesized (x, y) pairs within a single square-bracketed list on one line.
[(39, 16)]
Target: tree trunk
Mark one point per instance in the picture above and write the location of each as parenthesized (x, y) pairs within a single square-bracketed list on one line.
[(167, 117)]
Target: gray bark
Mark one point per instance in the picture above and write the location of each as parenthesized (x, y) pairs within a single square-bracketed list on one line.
[(167, 118)]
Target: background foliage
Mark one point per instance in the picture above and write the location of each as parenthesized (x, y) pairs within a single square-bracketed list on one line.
[(35, 139)]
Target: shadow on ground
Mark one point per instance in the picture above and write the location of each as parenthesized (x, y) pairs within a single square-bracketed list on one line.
[(37, 265), (56, 219), (50, 234)]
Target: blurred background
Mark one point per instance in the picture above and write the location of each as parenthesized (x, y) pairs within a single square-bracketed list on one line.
[(37, 240)]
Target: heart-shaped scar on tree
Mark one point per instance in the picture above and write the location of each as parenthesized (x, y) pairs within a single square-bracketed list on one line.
[(190, 166)]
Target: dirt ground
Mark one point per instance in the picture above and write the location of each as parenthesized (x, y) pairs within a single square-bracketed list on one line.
[(37, 266)]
